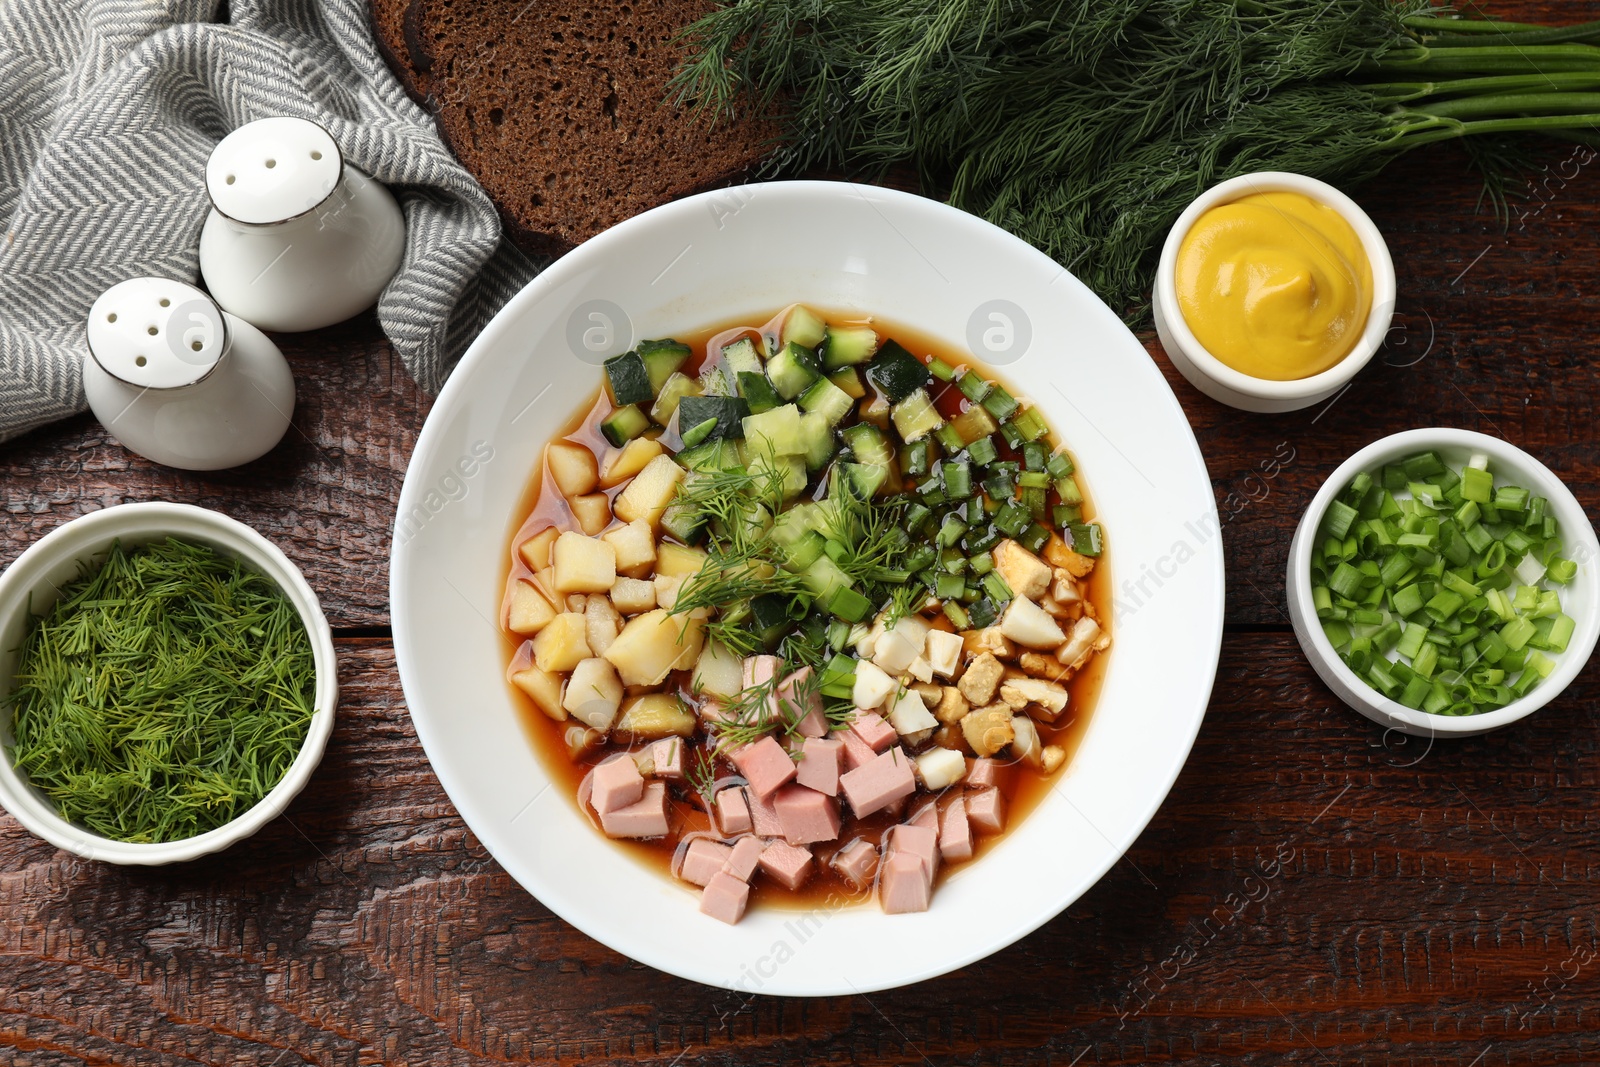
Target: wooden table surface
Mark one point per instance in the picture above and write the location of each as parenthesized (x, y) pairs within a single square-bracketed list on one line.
[(1311, 892)]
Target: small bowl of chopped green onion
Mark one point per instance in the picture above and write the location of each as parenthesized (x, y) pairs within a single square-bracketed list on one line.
[(167, 684), (1442, 582)]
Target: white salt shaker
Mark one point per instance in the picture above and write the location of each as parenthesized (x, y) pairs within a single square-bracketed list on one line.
[(178, 380), (297, 239)]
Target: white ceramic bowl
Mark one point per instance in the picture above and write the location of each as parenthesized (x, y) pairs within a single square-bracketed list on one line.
[(53, 560), (744, 253), (1507, 463), (1215, 378)]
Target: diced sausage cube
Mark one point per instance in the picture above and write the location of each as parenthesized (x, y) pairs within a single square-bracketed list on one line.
[(903, 886), (876, 785), (786, 864), (666, 757), (856, 751), (806, 815), (733, 813), (919, 841), (819, 764), (813, 721), (744, 857), (703, 859), (986, 810), (872, 729), (955, 836), (927, 814), (763, 816), (856, 862), (614, 785), (725, 897), (765, 765), (646, 817), (983, 774)]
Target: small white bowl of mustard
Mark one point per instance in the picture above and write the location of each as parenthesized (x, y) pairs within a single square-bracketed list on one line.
[(1273, 291)]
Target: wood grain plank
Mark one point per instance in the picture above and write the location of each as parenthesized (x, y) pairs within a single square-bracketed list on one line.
[(1311, 892)]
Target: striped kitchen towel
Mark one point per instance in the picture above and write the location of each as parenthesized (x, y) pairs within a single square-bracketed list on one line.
[(108, 110)]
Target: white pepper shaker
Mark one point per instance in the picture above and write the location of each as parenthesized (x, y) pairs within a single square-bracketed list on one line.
[(181, 382), (297, 239)]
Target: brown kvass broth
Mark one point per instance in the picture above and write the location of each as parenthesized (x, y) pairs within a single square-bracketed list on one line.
[(1023, 787)]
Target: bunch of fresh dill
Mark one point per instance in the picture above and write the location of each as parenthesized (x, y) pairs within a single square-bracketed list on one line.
[(1086, 126), (163, 695)]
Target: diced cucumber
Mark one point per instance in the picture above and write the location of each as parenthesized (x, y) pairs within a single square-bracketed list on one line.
[(827, 400), (628, 380), (824, 578), (804, 552), (875, 411), (804, 327), (973, 424), (758, 392), (776, 432), (624, 424), (849, 605), (896, 372), (864, 479), (792, 469), (661, 359), (848, 345), (795, 524), (868, 444), (678, 386), (714, 381), (916, 416), (769, 617), (687, 524), (727, 412), (699, 432), (740, 357), (792, 369), (816, 432), (710, 456), (849, 380)]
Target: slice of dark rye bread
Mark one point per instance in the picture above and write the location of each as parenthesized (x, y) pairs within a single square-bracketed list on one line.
[(556, 107)]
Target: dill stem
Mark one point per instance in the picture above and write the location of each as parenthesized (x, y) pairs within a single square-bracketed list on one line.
[(1469, 32), (1411, 91), (1550, 104)]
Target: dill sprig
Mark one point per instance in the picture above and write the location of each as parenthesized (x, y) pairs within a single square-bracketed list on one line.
[(1086, 127), (163, 695), (747, 717), (701, 776)]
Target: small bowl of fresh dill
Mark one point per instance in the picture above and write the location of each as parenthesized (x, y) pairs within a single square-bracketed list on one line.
[(167, 684)]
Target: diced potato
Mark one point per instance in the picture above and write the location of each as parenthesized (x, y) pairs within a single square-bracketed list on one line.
[(950, 736), (952, 706), (544, 689), (1025, 744), (1026, 574), (1024, 622), (693, 640), (635, 546), (989, 729), (584, 564), (911, 716), (1060, 554), (940, 768), (650, 646), (593, 512), (604, 623), (633, 596), (633, 458), (1064, 587), (944, 652), (546, 581), (1045, 666), (990, 640), (593, 693), (977, 685), (647, 496), (718, 672), (679, 561), (654, 716), (931, 694), (535, 550), (667, 586), (1047, 699), (1051, 758), (573, 468), (581, 740), (576, 602), (921, 669), (530, 610), (563, 644)]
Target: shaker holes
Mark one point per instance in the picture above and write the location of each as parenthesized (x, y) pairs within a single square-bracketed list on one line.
[(111, 317), (140, 361), (271, 163), (152, 331), (315, 154)]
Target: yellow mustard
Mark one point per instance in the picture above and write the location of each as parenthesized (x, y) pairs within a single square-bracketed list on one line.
[(1275, 285)]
